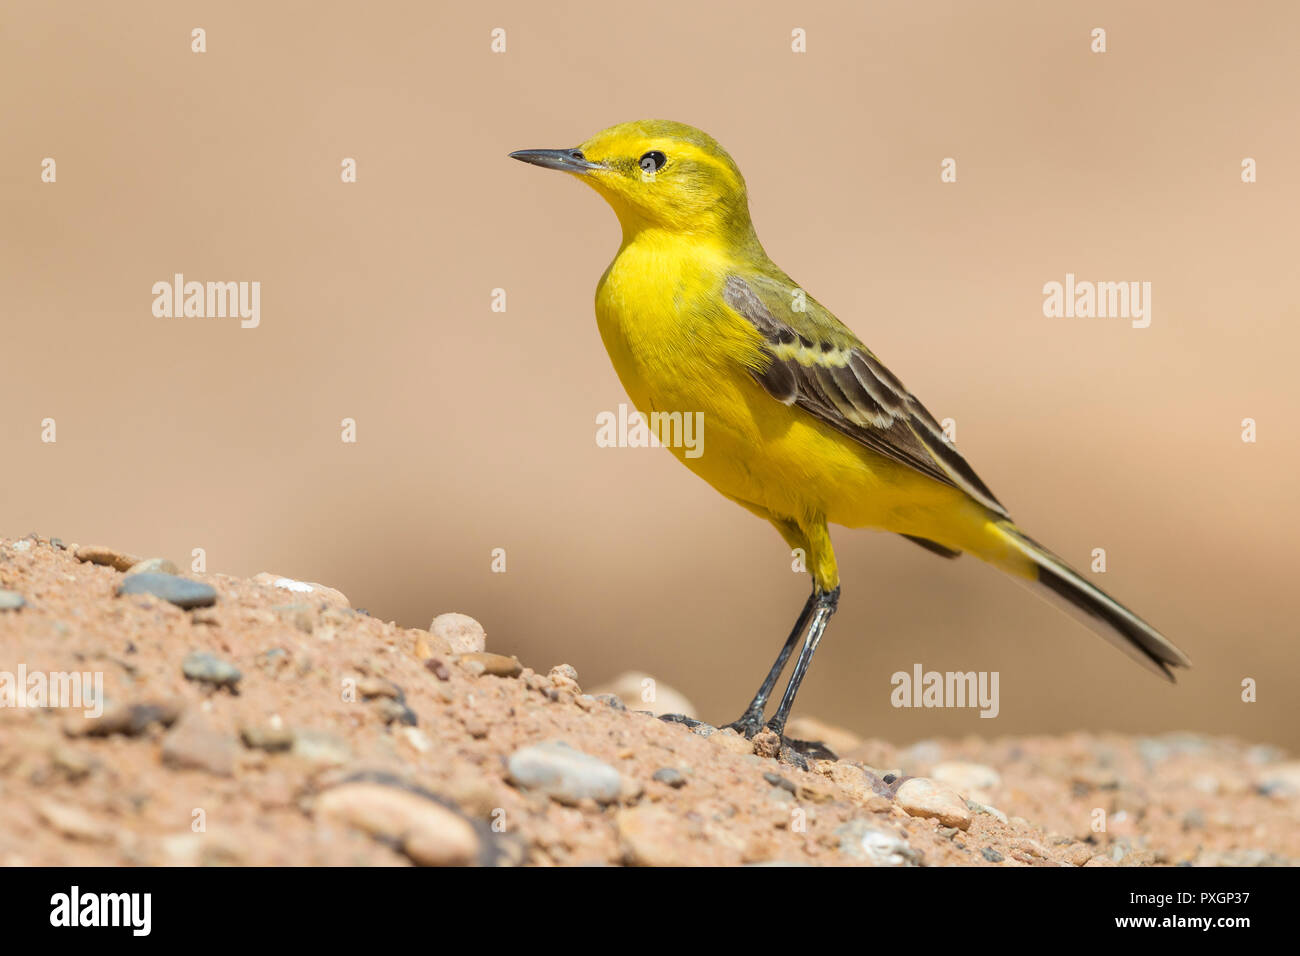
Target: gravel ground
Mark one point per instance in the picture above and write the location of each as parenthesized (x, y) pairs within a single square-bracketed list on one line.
[(265, 721)]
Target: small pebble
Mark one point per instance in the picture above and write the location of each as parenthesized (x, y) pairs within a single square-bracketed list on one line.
[(270, 739), (992, 855), (11, 600), (564, 677), (925, 798), (428, 832), (669, 777), (563, 773), (182, 592), (766, 743), (497, 665), (130, 720), (564, 672), (876, 844), (323, 592), (97, 554), (462, 632), (210, 669), (153, 566)]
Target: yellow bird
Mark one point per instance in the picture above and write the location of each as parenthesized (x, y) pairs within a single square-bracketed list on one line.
[(804, 425)]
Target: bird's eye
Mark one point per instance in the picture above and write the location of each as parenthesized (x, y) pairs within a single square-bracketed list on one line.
[(653, 161)]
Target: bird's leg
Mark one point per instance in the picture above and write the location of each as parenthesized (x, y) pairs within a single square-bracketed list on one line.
[(824, 604), (751, 721)]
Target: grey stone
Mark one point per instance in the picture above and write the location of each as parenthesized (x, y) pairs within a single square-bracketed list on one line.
[(132, 720), (669, 777), (210, 669), (564, 773), (182, 592)]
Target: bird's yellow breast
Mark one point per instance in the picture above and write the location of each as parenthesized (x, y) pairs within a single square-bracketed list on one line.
[(661, 319), (677, 347)]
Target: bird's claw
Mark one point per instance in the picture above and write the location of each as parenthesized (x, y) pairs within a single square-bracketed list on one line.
[(689, 722), (806, 749), (749, 724)]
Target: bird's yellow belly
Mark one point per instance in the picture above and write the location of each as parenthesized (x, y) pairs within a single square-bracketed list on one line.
[(751, 447)]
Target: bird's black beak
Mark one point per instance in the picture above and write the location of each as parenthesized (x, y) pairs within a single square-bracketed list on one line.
[(565, 160)]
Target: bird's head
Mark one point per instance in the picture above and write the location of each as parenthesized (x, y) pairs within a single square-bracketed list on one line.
[(659, 174)]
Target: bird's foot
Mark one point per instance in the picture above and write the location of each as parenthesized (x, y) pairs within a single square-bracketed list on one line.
[(805, 750), (749, 724), (689, 722), (798, 752)]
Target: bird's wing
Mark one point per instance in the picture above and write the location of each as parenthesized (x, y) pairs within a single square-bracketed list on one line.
[(820, 366)]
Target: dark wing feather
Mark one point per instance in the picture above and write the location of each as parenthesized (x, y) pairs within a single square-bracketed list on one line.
[(818, 365), (933, 546)]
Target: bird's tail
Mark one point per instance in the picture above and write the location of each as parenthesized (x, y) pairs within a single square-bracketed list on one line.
[(1061, 584)]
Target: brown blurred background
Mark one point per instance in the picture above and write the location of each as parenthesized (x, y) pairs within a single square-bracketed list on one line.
[(476, 428)]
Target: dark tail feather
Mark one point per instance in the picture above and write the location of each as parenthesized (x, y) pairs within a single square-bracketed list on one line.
[(1102, 613)]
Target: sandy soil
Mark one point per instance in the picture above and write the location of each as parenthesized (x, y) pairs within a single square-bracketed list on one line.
[(280, 726)]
